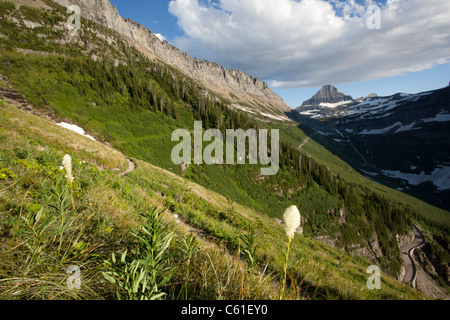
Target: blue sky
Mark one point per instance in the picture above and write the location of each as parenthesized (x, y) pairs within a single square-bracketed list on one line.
[(153, 14), (296, 59)]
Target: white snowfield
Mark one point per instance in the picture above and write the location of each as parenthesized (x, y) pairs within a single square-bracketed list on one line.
[(374, 107), (313, 114), (443, 116), (272, 116), (335, 105), (76, 129), (380, 105), (401, 128), (440, 177)]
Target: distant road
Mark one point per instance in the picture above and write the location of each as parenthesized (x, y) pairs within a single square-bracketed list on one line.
[(407, 252)]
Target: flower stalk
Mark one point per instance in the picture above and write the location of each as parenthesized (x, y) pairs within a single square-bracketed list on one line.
[(291, 223), (67, 164)]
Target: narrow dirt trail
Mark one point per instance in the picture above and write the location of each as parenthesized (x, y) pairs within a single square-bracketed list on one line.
[(131, 168), (306, 141)]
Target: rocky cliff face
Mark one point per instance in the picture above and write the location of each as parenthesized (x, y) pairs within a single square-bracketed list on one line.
[(226, 82)]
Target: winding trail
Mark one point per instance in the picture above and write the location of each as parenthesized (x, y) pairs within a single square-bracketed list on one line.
[(131, 168), (306, 140), (407, 252)]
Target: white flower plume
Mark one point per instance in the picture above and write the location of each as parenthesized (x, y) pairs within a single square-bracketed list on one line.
[(291, 221), (67, 164)]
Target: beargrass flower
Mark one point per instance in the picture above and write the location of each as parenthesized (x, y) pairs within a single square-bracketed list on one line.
[(67, 164), (291, 221)]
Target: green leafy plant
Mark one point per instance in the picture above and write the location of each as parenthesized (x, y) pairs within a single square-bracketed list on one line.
[(249, 249), (142, 273), (6, 174)]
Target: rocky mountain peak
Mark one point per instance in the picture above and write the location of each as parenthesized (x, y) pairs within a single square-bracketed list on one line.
[(328, 94), (362, 99)]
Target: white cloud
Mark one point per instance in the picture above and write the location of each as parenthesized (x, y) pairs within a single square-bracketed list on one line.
[(312, 42), (160, 37)]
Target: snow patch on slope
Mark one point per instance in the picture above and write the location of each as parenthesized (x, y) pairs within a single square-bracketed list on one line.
[(335, 105), (401, 128), (443, 116), (440, 177), (76, 129)]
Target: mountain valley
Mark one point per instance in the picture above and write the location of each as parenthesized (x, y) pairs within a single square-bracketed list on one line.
[(367, 171)]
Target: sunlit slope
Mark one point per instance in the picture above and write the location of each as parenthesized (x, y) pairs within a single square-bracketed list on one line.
[(31, 150)]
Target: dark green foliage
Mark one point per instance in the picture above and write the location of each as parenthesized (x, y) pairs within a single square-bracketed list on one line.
[(7, 7)]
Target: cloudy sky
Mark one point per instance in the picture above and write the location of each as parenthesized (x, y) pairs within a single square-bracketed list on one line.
[(298, 46)]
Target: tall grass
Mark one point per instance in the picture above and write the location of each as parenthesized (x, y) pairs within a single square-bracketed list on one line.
[(46, 238)]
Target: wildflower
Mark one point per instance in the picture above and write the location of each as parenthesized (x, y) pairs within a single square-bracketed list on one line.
[(292, 221), (67, 163)]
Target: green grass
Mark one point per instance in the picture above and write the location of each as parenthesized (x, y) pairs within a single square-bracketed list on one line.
[(114, 104), (108, 209)]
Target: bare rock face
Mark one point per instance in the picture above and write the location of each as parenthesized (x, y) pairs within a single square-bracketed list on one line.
[(405, 239), (328, 94), (212, 75)]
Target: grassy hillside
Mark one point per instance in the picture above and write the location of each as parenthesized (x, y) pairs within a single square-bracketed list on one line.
[(43, 231)]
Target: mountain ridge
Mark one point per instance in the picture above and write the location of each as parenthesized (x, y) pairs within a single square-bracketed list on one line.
[(228, 82)]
